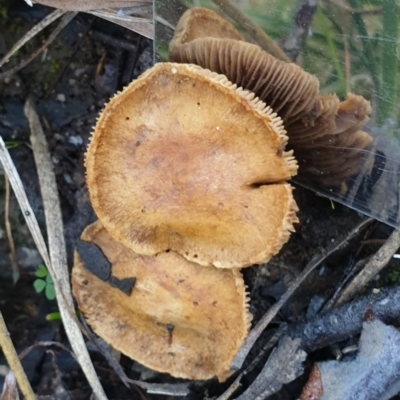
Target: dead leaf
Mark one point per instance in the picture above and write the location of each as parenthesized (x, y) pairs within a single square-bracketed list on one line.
[(135, 15), (313, 389), (88, 5), (143, 26)]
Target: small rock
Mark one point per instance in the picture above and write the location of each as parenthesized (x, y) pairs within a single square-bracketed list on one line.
[(68, 179), (61, 97), (75, 140)]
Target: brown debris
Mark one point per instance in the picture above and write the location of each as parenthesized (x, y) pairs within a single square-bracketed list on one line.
[(313, 389), (207, 179), (180, 318)]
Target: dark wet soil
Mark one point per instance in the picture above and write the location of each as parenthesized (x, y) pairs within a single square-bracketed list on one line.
[(70, 82)]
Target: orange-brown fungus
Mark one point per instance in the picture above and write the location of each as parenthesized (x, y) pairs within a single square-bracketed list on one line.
[(202, 22), (285, 87), (318, 127), (180, 318), (183, 160), (336, 154)]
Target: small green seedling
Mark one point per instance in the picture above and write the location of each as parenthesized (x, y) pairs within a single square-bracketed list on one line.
[(10, 144), (44, 282), (56, 316)]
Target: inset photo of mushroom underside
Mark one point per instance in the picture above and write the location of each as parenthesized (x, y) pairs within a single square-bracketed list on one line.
[(316, 124)]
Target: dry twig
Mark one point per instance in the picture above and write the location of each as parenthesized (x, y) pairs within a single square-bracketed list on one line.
[(271, 313), (14, 258), (283, 366), (256, 361), (31, 33), (13, 361), (58, 260), (64, 21), (373, 267), (19, 191), (345, 321)]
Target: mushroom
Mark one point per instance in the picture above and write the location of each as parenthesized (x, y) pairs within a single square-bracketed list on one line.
[(322, 124), (183, 160), (179, 317), (203, 22), (334, 155), (285, 87)]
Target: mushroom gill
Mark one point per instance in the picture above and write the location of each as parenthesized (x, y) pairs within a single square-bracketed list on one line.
[(320, 123)]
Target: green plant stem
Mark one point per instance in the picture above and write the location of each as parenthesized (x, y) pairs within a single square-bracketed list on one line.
[(13, 361), (389, 62)]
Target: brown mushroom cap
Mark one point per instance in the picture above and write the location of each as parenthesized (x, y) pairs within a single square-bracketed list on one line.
[(183, 160), (180, 318), (201, 22)]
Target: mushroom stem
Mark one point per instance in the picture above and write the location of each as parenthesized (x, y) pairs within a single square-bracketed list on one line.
[(256, 33)]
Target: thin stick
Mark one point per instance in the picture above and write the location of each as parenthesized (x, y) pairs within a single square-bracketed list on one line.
[(58, 258), (232, 388), (19, 191), (14, 258), (64, 21), (301, 24), (259, 36), (13, 361), (271, 313), (373, 267), (256, 361), (31, 33), (346, 320)]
